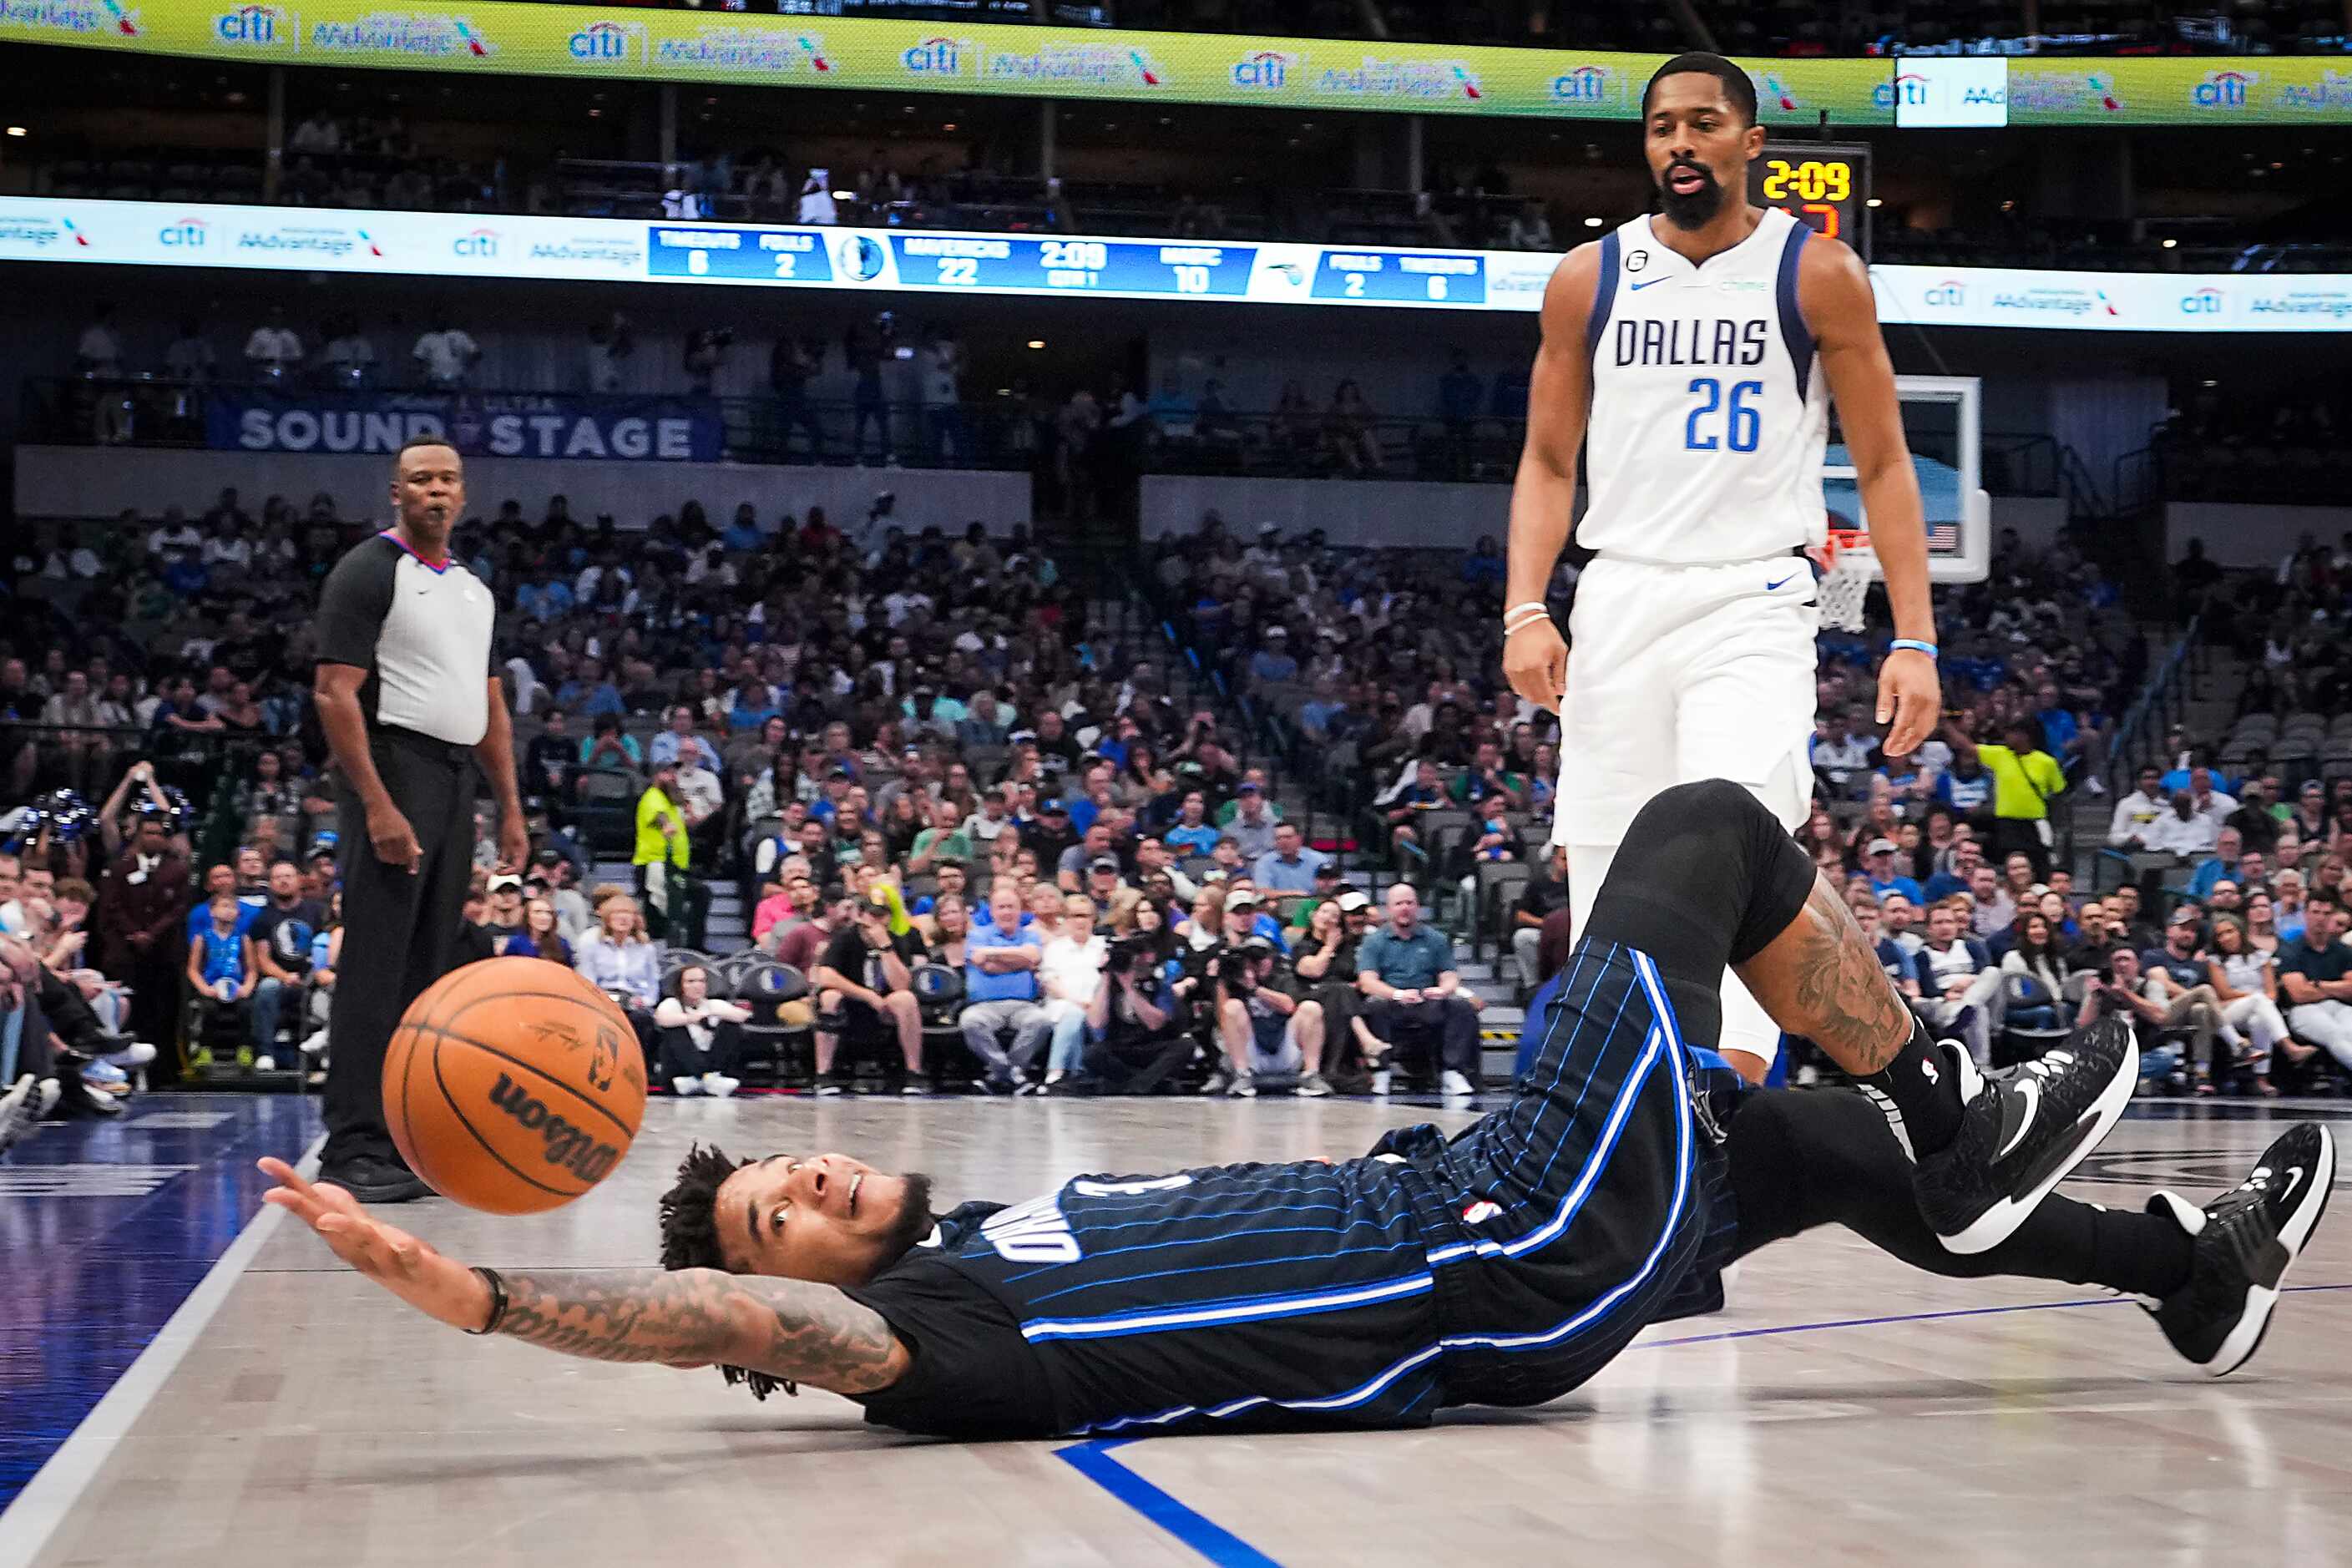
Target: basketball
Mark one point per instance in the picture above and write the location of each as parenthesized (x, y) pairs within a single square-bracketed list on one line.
[(513, 1086)]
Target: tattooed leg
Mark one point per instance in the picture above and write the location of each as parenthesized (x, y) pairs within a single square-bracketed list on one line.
[(1821, 979)]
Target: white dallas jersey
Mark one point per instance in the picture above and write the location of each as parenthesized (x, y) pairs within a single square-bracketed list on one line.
[(1708, 415)]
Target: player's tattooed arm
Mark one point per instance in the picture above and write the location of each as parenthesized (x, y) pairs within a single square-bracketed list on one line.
[(789, 1329), (1821, 978)]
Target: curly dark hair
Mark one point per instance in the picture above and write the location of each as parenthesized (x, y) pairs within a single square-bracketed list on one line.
[(689, 1233)]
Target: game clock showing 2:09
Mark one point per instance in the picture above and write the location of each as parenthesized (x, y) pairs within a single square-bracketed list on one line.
[(1822, 185)]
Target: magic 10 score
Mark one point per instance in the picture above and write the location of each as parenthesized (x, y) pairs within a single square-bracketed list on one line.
[(1823, 185)]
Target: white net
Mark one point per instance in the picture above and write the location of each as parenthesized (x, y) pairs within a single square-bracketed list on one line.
[(1845, 584)]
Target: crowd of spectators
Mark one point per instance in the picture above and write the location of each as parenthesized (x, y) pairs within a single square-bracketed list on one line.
[(2280, 444), (944, 788)]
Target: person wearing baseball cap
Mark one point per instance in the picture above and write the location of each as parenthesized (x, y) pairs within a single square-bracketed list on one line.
[(1878, 863)]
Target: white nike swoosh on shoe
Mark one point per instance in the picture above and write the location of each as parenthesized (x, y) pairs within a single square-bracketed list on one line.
[(2029, 1090), (2294, 1174)]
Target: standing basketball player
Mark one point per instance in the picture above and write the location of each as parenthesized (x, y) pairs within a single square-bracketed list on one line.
[(1693, 354), (410, 700)]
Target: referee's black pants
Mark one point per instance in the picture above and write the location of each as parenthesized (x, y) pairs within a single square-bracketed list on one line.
[(400, 927)]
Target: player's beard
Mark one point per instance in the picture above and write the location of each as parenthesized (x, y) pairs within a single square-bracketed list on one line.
[(1697, 209), (913, 1221)]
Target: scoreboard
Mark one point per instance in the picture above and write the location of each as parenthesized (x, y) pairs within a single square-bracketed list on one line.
[(1026, 264), (1823, 185)]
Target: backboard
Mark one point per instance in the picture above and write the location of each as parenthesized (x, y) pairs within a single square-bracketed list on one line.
[(1941, 422)]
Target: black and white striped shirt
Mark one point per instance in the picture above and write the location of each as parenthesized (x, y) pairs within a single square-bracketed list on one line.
[(420, 631)]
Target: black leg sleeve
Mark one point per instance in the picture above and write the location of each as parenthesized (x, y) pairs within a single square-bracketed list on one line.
[(1706, 877), (1803, 1158)]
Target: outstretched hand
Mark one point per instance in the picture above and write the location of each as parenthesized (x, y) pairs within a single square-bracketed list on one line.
[(409, 1269)]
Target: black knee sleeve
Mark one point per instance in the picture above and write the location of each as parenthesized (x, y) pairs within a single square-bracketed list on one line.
[(1706, 878)]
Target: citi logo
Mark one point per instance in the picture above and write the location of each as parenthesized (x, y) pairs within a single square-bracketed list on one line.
[(574, 1148), (188, 234), (250, 24), (1951, 293), (602, 41), (934, 56), (480, 245), (1907, 87), (1266, 70), (2221, 90), (2203, 303), (1585, 84)]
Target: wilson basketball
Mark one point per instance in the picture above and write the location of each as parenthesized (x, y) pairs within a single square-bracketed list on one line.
[(513, 1085)]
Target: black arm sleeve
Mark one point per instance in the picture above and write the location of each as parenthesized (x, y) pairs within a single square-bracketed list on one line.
[(353, 602), (972, 1376)]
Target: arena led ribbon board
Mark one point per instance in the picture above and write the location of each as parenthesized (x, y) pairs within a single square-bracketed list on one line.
[(499, 37), (921, 261)]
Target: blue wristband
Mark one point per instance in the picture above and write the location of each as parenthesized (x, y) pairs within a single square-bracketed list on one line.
[(1914, 644)]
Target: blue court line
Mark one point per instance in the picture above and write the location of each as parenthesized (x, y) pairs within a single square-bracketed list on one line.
[(1926, 1318), (1203, 1535)]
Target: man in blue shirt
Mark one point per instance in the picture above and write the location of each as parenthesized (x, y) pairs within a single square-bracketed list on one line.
[(677, 743), (1273, 662), (1965, 786), (1000, 989), (1290, 866), (2223, 863), (1406, 972), (1878, 860)]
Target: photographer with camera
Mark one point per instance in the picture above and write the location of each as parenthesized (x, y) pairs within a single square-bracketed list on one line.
[(1265, 1030), (1140, 1039)]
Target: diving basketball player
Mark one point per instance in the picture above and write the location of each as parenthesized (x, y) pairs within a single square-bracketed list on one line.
[(1693, 354), (1503, 1266)]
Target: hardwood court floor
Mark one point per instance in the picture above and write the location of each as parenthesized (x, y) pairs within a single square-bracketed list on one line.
[(1831, 1415)]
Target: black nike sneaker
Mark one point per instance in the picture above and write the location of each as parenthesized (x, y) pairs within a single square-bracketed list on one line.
[(2022, 1131), (2242, 1245)]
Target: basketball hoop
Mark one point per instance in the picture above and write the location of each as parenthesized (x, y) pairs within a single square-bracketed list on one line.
[(1848, 568)]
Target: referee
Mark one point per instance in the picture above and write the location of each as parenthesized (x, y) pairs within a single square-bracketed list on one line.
[(410, 701)]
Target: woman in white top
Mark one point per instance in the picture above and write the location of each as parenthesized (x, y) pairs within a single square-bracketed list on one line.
[(701, 1037), (2247, 983)]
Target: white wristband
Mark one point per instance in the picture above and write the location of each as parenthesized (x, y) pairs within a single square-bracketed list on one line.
[(1529, 604)]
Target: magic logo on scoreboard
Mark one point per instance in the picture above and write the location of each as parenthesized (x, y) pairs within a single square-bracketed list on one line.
[(1084, 63), (79, 17), (606, 42), (1418, 81), (763, 50), (257, 27), (2224, 90), (428, 34)]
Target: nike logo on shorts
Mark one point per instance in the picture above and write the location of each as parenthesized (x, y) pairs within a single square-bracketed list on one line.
[(1650, 283), (1770, 587)]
